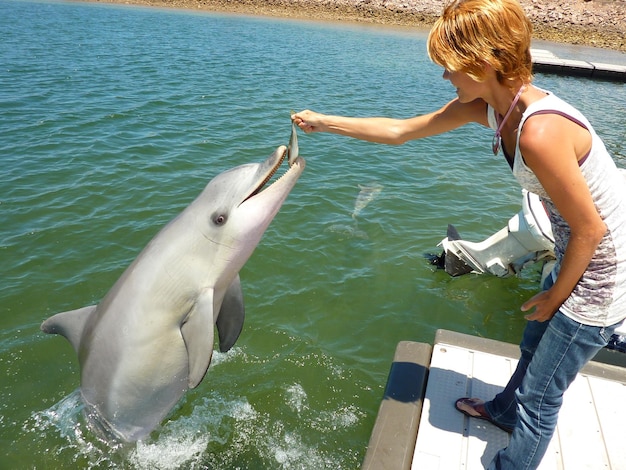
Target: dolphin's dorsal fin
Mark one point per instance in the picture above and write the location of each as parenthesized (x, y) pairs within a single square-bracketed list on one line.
[(69, 324), (197, 332), (230, 319)]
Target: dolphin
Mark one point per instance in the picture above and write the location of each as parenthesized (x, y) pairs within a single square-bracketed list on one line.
[(366, 195), (151, 337)]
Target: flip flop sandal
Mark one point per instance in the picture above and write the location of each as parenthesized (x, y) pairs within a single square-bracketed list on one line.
[(468, 406)]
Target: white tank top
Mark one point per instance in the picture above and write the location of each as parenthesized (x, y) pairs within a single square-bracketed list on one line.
[(599, 297)]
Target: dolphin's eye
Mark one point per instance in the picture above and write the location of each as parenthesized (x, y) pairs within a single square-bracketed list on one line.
[(219, 219)]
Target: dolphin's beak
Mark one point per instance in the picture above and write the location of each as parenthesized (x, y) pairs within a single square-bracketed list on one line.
[(271, 166)]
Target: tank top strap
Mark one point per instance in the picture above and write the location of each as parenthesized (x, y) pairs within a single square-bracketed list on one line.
[(559, 113)]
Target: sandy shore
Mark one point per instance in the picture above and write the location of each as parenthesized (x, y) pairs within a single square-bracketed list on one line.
[(598, 23)]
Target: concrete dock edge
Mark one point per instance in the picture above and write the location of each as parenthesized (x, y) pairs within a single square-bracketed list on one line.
[(393, 438)]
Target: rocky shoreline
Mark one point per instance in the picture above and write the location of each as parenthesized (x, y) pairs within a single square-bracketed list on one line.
[(597, 23)]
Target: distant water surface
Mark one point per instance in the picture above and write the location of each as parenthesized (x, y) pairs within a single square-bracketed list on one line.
[(112, 119)]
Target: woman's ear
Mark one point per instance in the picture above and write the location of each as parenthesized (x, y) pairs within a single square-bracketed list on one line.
[(487, 67), (490, 73)]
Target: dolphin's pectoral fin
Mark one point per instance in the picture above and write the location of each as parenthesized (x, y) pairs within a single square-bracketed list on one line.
[(69, 324), (198, 335), (230, 319)]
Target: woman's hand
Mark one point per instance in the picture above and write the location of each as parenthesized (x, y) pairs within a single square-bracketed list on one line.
[(543, 303), (308, 121)]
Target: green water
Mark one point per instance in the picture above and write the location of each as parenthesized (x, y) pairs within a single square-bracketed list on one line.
[(113, 119)]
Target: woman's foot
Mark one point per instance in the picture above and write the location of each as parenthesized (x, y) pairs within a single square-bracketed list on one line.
[(475, 408)]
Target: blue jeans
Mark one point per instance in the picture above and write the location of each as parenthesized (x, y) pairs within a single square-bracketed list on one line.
[(552, 354)]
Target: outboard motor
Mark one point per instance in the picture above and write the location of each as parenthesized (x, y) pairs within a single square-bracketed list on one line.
[(526, 239)]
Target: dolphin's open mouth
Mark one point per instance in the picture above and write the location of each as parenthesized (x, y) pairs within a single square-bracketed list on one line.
[(276, 160), (273, 164), (272, 172)]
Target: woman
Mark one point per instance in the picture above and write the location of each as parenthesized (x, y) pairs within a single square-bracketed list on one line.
[(484, 48)]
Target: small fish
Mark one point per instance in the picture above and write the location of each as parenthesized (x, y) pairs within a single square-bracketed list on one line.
[(366, 195), (292, 148)]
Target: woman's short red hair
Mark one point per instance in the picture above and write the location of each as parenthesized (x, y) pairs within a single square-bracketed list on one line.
[(471, 33)]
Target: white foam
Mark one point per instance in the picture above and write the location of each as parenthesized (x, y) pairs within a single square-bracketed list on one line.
[(217, 432), (178, 448), (296, 397)]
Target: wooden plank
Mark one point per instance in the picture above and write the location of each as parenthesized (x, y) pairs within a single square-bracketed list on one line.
[(490, 374), (552, 459), (475, 343), (446, 438), (609, 398), (579, 433), (440, 439)]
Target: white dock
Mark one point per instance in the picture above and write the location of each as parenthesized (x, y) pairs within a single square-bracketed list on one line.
[(418, 428), (547, 62)]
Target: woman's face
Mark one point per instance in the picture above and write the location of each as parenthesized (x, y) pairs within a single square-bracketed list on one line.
[(467, 89)]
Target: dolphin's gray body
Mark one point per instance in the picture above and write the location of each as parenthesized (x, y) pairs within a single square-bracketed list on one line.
[(151, 336)]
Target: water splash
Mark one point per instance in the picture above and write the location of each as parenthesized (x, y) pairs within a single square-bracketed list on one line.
[(182, 444), (215, 430), (296, 398), (65, 419)]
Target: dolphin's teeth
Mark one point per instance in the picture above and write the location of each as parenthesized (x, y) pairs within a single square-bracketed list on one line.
[(269, 177)]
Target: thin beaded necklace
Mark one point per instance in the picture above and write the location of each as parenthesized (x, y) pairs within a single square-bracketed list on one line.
[(496, 143)]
